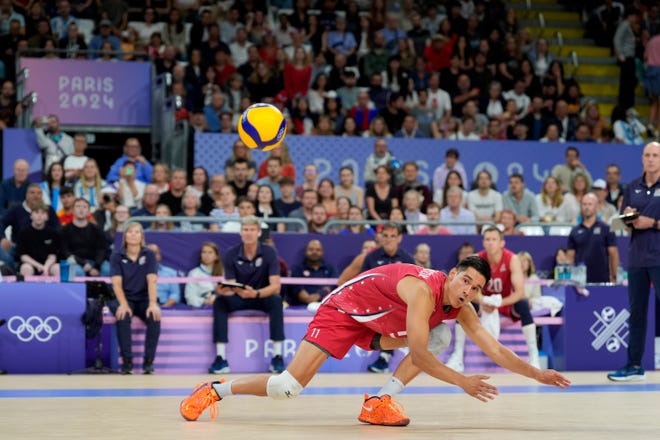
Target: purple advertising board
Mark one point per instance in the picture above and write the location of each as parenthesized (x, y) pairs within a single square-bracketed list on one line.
[(20, 143), (82, 92), (44, 332), (595, 333)]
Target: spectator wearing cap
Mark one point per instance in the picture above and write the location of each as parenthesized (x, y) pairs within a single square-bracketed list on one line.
[(104, 36), (605, 210)]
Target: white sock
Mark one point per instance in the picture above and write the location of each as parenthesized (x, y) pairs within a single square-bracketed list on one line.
[(223, 389), (385, 355), (221, 349), (459, 341), (392, 387), (277, 348), (530, 337)]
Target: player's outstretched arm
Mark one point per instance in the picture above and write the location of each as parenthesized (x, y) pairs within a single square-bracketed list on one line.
[(503, 356)]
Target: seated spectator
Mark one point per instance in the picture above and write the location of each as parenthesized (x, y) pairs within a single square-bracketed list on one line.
[(628, 130), (520, 200), (130, 190), (343, 206), (355, 215), (261, 292), (149, 203), (318, 220), (313, 266), (203, 293), (347, 187), (484, 201), (533, 288), (453, 179), (226, 209), (200, 181), (132, 152), (173, 197), (13, 189), (397, 217), (422, 255), (266, 206), (273, 177), (119, 220), (54, 143), (240, 151), (309, 199), (592, 117), (363, 111), (38, 245), (211, 198), (377, 129), (606, 211), (466, 131), (454, 212), (552, 134), (507, 223), (287, 202), (74, 162), (536, 120), (310, 176), (104, 214), (190, 204), (240, 180), (579, 187), (169, 294), (104, 36), (85, 242), (381, 196), (433, 215), (162, 210), (52, 185), (564, 173), (90, 184), (412, 202), (327, 198), (65, 214), (552, 205), (161, 177)]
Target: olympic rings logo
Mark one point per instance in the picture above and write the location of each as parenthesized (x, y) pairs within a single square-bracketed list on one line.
[(34, 328)]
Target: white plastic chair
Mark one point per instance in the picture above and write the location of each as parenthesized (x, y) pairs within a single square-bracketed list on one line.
[(531, 230)]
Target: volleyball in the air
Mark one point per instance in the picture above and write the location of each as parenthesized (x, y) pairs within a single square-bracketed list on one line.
[(262, 126)]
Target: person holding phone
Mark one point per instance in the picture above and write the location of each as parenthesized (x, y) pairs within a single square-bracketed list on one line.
[(256, 266), (130, 190), (642, 198)]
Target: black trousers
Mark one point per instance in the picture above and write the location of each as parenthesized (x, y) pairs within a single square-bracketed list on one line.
[(627, 83), (224, 305), (139, 309)]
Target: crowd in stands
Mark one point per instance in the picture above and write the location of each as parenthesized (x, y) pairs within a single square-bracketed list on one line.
[(463, 70)]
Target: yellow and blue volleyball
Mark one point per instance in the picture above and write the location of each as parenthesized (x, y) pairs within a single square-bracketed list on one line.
[(262, 126)]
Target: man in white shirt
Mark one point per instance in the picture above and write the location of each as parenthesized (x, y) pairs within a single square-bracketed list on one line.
[(239, 48), (54, 143), (74, 163), (439, 101), (485, 202), (520, 98)]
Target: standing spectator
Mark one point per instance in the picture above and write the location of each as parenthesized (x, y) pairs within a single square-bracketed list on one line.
[(652, 81), (313, 266), (564, 173), (455, 213), (592, 243), (484, 201), (643, 257), (8, 104), (203, 293), (451, 164), (174, 196), (52, 185), (74, 162), (130, 190), (389, 253), (133, 152), (134, 277), (54, 143), (14, 189), (38, 245), (256, 266), (520, 200), (169, 294), (90, 184), (348, 188), (624, 49), (85, 242)]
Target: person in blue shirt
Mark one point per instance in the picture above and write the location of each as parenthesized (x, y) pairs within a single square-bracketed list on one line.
[(256, 266), (132, 152), (169, 294), (641, 196), (312, 266), (389, 252), (104, 35), (594, 244), (134, 275), (13, 189)]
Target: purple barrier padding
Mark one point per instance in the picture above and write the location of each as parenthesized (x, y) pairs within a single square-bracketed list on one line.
[(595, 331), (181, 250), (82, 92), (44, 331), (501, 158), (20, 143)]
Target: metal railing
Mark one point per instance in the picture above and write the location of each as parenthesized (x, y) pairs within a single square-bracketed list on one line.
[(215, 220), (337, 224)]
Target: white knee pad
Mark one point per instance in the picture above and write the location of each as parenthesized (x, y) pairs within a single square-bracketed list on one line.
[(283, 386), (439, 339)]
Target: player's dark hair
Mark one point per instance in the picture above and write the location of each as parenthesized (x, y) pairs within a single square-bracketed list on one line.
[(477, 263)]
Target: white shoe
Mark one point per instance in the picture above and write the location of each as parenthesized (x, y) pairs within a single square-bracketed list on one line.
[(534, 362), (455, 362)]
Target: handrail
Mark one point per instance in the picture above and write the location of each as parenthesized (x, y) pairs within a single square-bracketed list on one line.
[(334, 222), (575, 63), (208, 219), (560, 44)]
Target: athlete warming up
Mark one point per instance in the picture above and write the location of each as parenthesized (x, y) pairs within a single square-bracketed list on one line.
[(388, 307)]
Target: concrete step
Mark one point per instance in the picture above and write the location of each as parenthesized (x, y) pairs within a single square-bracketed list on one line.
[(599, 61), (534, 2), (536, 7), (587, 69), (533, 20), (606, 109), (566, 32), (604, 89), (596, 79), (586, 51)]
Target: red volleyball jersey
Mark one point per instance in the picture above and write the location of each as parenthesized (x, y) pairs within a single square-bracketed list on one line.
[(371, 298), (500, 272)]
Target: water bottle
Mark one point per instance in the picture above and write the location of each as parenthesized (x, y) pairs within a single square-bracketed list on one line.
[(64, 271), (619, 275), (71, 262), (582, 274)]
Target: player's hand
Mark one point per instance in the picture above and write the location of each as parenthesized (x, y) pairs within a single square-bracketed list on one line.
[(487, 308), (477, 387), (154, 311), (122, 311), (552, 377)]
